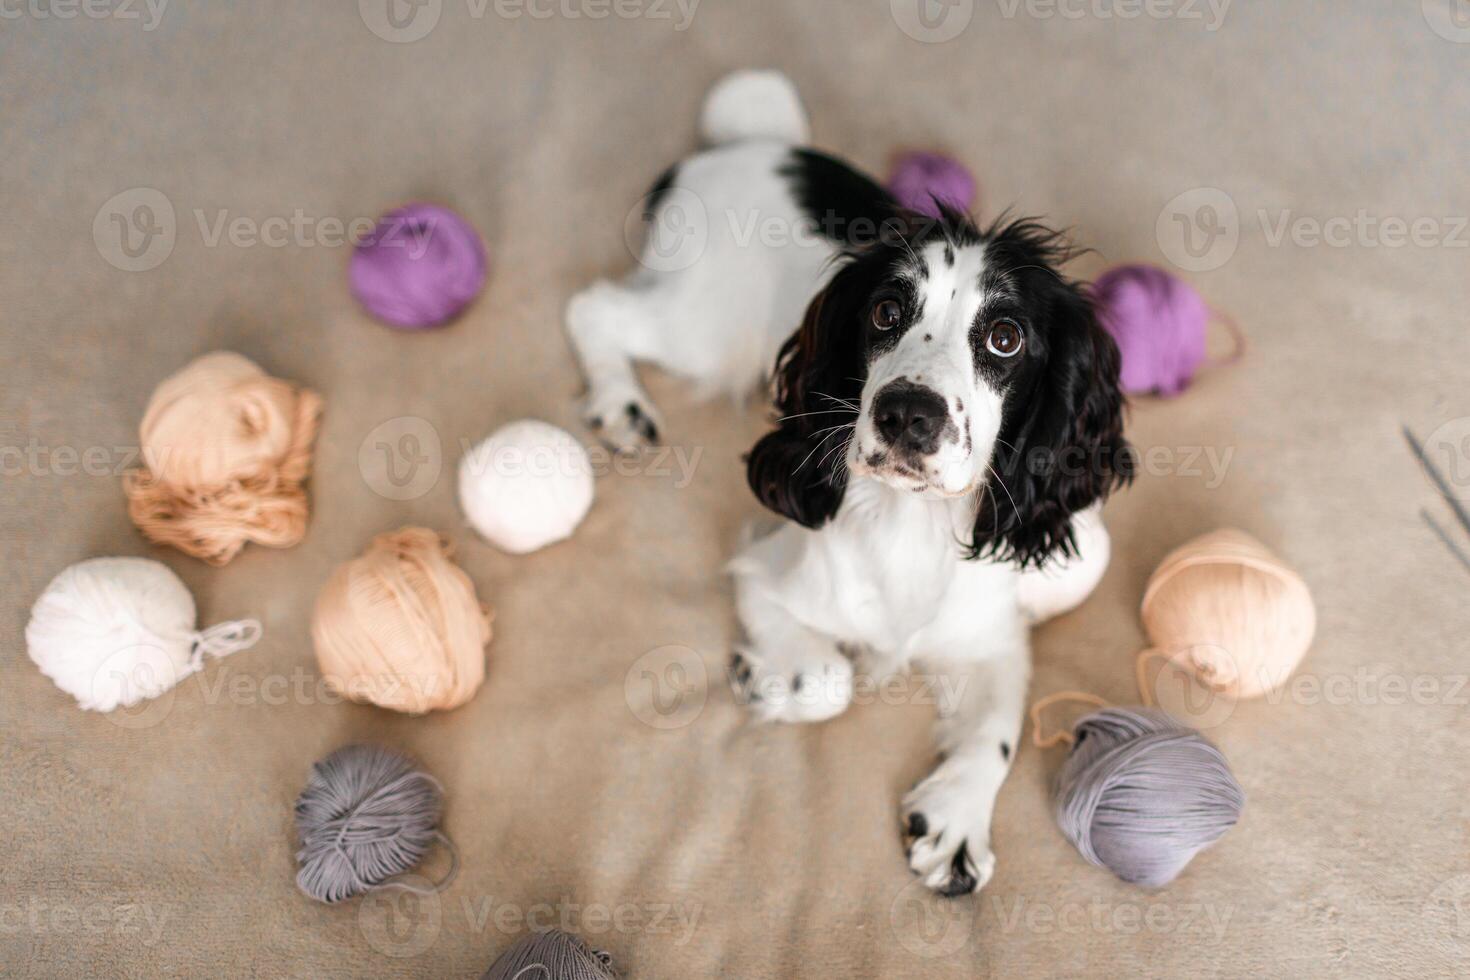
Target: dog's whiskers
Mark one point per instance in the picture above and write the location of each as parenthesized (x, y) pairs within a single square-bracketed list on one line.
[(824, 411), (845, 403), (830, 432), (842, 446), (998, 480)]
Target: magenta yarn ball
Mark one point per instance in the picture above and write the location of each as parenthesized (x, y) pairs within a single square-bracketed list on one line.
[(419, 268), (1159, 322), (919, 179)]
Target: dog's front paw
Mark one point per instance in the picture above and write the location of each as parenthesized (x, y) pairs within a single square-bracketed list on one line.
[(624, 421), (812, 689), (948, 847)]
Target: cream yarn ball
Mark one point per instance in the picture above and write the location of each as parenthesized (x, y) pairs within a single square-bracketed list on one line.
[(527, 486), (115, 631), (227, 451), (1238, 617), (401, 626)]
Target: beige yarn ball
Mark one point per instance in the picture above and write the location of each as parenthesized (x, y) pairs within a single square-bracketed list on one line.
[(1230, 611), (226, 449), (401, 626)]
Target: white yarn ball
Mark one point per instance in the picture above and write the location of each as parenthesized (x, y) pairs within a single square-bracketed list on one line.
[(114, 631), (527, 486)]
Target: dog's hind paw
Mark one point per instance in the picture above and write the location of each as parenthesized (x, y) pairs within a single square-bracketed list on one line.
[(625, 423), (813, 691)]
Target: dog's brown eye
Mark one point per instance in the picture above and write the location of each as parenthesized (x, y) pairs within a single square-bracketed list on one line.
[(887, 314), (1005, 339)]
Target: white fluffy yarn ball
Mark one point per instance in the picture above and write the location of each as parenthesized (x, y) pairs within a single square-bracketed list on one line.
[(527, 486), (114, 631)]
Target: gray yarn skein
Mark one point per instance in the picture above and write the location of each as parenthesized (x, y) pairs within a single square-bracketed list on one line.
[(366, 815), (1141, 794), (553, 955)]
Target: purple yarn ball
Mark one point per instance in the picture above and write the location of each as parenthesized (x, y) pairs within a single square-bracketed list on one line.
[(919, 179), (1159, 322), (419, 268)]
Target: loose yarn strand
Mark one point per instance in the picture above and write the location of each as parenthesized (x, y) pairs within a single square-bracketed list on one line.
[(1237, 337), (434, 887), (224, 639), (1061, 734), (1140, 671)]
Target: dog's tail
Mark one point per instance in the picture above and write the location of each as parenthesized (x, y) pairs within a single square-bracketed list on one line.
[(752, 104)]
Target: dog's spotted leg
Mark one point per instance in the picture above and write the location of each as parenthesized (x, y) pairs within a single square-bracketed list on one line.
[(945, 819), (610, 325)]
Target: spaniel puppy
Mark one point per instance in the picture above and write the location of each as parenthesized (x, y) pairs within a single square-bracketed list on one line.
[(949, 420)]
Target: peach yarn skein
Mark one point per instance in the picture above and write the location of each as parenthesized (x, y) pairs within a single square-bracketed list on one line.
[(401, 627), (1231, 612), (226, 450)]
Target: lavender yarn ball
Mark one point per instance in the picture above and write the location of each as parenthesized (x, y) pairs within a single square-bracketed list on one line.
[(367, 814), (1141, 794), (419, 268), (1159, 322), (919, 180), (553, 955)]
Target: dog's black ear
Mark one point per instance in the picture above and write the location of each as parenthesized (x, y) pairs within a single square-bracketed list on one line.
[(799, 470), (1062, 449)]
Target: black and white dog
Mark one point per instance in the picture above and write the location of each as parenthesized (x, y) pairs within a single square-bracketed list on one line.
[(950, 421)]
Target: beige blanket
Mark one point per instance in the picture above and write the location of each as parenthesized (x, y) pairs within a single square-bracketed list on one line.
[(688, 843)]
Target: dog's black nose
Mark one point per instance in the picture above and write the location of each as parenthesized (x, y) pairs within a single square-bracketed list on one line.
[(910, 417)]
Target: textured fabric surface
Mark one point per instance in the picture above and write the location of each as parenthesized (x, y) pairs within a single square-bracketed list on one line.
[(582, 793)]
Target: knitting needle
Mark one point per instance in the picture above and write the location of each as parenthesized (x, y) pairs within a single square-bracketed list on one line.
[(1445, 537), (1439, 480)]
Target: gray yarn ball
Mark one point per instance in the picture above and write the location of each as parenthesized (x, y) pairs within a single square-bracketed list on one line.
[(551, 955), (1141, 794), (367, 814)]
